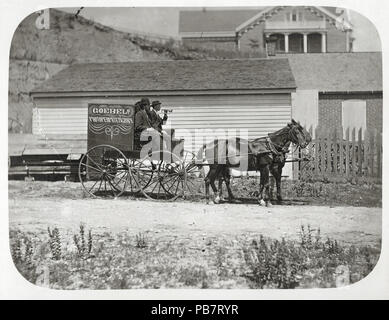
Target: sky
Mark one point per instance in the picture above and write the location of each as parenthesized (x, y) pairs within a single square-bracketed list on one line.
[(164, 21)]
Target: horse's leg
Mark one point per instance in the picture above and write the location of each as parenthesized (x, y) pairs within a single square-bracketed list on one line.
[(227, 179), (266, 185), (276, 172), (220, 181), (206, 180), (213, 173), (261, 186), (278, 183)]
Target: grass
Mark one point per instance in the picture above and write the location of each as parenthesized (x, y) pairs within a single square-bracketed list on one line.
[(128, 261)]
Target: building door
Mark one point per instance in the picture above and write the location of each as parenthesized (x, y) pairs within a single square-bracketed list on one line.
[(296, 43), (314, 43)]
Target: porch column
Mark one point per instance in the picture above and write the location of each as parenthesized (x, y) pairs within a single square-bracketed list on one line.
[(305, 42), (324, 42), (286, 38)]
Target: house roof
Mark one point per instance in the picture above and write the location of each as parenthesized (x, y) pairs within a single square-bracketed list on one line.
[(254, 74), (338, 72), (234, 20), (214, 20)]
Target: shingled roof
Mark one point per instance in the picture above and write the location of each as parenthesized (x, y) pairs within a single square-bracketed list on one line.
[(338, 72), (221, 20), (214, 20), (172, 76)]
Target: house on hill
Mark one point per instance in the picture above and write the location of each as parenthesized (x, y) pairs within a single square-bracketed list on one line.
[(268, 30)]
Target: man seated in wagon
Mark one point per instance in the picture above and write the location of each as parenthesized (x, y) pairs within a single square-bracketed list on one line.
[(157, 120), (144, 129)]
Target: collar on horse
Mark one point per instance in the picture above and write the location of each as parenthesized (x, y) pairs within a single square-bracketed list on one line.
[(273, 147)]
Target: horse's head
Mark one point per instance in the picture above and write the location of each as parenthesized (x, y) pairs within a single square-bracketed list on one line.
[(299, 135)]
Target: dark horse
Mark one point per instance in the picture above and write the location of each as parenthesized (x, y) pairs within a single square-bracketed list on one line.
[(263, 154)]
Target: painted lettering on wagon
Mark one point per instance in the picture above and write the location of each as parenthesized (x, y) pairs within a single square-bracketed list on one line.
[(111, 124), (110, 120), (112, 110)]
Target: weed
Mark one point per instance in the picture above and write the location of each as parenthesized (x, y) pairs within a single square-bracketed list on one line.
[(288, 264), (84, 246), (140, 241), (55, 243)]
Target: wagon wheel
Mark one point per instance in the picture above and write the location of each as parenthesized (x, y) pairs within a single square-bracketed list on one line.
[(140, 177), (104, 171), (168, 176), (194, 175)]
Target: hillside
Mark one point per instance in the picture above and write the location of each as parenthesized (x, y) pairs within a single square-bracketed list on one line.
[(36, 55)]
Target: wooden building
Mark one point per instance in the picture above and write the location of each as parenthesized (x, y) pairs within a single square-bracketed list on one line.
[(207, 97), (268, 30)]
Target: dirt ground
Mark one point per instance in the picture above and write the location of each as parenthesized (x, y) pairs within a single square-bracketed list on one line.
[(34, 206)]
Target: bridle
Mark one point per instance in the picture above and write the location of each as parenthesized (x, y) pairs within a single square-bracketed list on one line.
[(292, 137)]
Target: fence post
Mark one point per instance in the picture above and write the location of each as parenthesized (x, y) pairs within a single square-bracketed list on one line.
[(316, 159), (329, 168), (360, 155), (372, 153), (366, 151), (341, 154), (353, 153), (347, 152), (335, 152), (379, 162)]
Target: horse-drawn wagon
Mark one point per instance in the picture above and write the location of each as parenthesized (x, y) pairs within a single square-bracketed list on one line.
[(115, 163), (161, 169)]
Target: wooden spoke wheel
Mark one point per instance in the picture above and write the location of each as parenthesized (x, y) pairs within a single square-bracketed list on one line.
[(141, 176), (195, 185), (104, 172), (166, 176)]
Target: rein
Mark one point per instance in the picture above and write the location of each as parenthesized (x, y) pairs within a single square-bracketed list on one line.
[(273, 146)]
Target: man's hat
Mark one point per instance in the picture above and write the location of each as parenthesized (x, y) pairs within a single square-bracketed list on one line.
[(144, 102), (155, 103)]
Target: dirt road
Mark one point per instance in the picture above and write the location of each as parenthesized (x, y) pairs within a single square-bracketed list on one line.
[(356, 225)]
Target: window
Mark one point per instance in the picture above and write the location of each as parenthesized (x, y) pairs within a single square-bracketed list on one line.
[(354, 115), (294, 16)]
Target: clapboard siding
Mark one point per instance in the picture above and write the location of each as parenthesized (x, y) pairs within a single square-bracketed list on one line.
[(256, 114)]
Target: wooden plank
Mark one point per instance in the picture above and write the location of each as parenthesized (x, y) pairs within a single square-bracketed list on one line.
[(353, 153), (366, 151), (322, 154), (341, 155), (335, 152), (295, 170), (360, 152), (39, 168), (372, 154), (347, 152), (63, 137), (316, 158), (379, 154), (172, 100), (329, 160)]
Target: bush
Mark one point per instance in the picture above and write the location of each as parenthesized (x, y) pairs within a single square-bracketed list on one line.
[(309, 262)]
